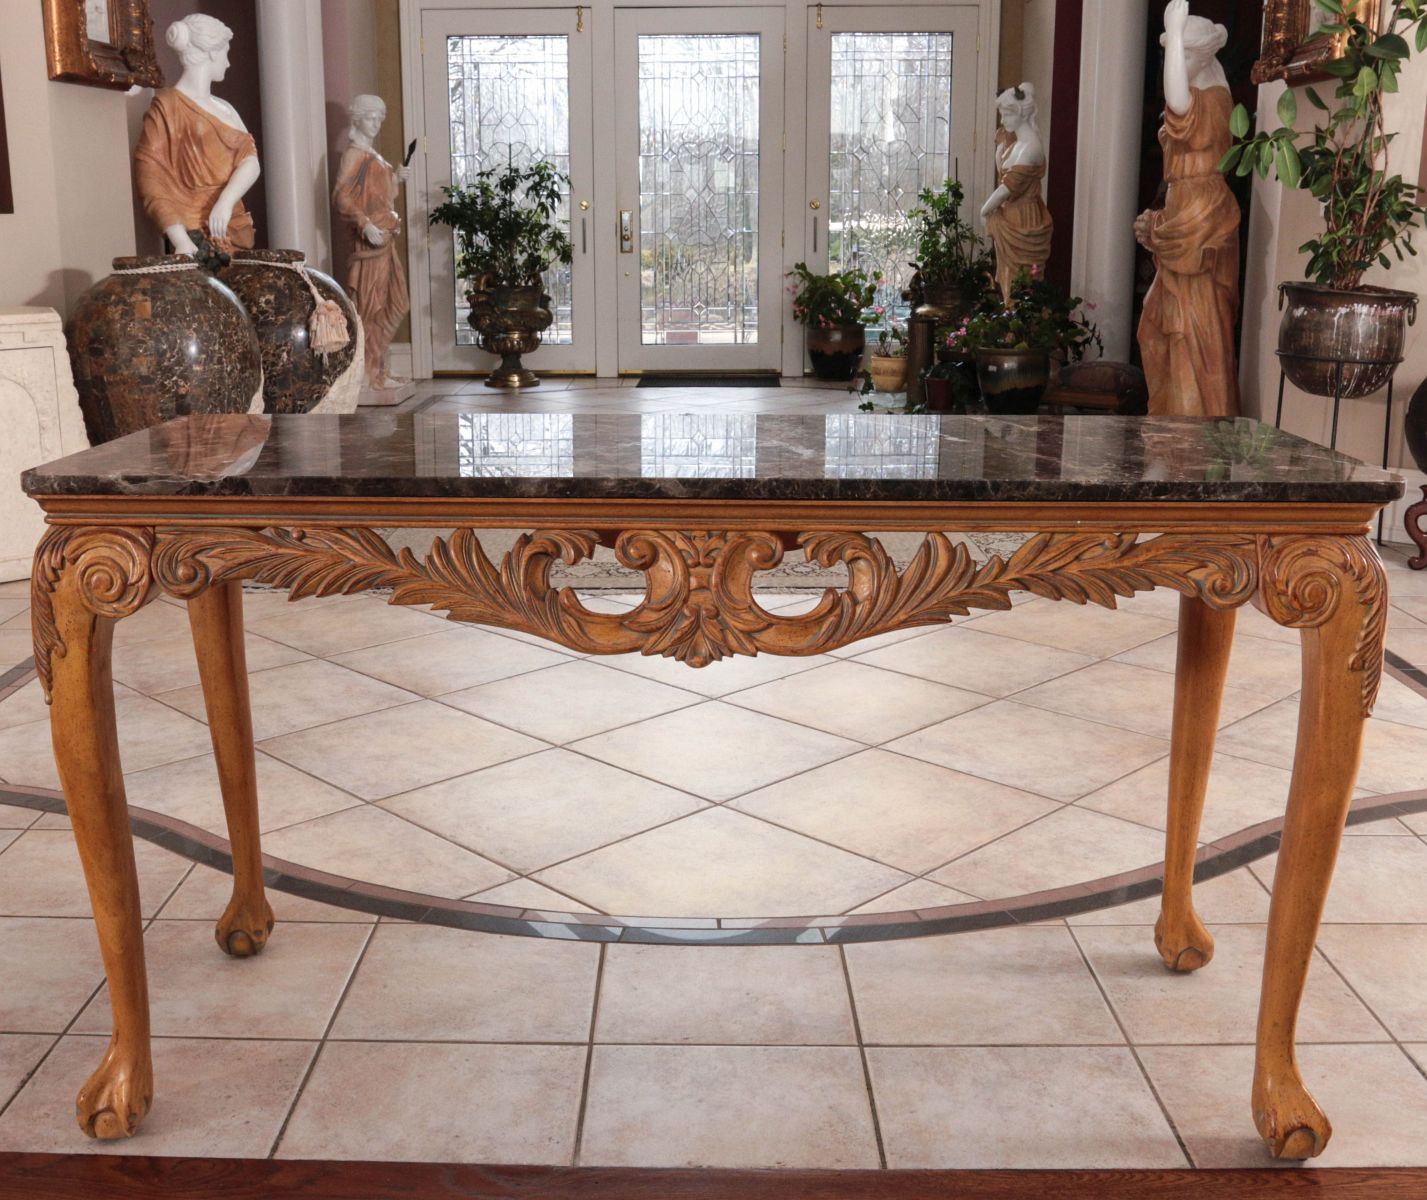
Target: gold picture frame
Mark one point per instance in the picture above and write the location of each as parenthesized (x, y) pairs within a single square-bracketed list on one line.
[(103, 43), (1291, 50)]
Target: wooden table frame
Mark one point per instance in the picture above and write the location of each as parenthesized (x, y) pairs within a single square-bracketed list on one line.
[(1309, 566)]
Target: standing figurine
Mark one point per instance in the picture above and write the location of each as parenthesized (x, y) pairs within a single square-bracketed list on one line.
[(1016, 215), (1186, 333), (365, 195), (195, 159)]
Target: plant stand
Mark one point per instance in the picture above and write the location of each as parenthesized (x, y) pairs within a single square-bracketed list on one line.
[(1340, 363)]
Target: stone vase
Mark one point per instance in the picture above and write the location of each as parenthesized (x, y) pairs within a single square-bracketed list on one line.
[(160, 339), (296, 379)]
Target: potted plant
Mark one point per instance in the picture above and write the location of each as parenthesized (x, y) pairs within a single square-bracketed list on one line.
[(1338, 335), (835, 309), (954, 267), (507, 237), (1012, 343), (887, 371)]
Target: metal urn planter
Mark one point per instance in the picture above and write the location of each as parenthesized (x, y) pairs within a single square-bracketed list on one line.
[(1012, 382), (836, 350), (1343, 342), (157, 339), (278, 292), (510, 321)]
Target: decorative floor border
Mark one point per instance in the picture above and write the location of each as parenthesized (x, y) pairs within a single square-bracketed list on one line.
[(1110, 891)]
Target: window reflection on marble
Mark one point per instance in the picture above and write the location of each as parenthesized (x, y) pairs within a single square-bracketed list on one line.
[(698, 446), (882, 446), (516, 445)]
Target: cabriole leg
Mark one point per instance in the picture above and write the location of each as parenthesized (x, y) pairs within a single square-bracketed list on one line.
[(216, 617), (1205, 638)]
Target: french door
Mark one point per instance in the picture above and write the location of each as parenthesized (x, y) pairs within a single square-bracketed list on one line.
[(510, 87), (892, 109), (709, 149), (699, 161)]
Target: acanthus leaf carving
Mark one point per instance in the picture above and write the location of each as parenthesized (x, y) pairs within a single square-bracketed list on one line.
[(111, 569), (1303, 588), (699, 605)]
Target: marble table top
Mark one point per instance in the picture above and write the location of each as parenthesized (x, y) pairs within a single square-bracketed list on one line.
[(719, 456)]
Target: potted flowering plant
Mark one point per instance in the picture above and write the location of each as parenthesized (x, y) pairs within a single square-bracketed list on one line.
[(888, 369), (836, 310), (1012, 343), (1337, 333)]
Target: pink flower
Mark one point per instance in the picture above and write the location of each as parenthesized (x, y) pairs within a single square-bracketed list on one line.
[(1036, 270), (879, 310)]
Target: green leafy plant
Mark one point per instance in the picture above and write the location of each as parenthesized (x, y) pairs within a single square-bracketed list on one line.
[(949, 251), (1039, 316), (505, 223), (827, 301), (1368, 214)]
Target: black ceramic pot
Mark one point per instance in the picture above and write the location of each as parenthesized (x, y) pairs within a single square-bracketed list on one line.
[(160, 339), (836, 351), (295, 376), (1356, 331), (1012, 382)]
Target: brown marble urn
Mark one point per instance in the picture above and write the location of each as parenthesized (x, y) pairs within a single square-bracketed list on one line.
[(276, 294), (159, 339)]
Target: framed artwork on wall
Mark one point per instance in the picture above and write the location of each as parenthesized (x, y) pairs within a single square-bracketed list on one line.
[(7, 191), (1291, 50), (104, 43)]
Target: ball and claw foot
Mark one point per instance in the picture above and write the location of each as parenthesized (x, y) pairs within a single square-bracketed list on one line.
[(1185, 948), (117, 1096), (243, 929), (1289, 1119)]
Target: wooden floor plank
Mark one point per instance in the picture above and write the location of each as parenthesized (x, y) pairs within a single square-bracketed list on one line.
[(85, 1177)]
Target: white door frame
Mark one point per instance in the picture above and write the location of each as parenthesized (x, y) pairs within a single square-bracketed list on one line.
[(599, 27), (767, 22)]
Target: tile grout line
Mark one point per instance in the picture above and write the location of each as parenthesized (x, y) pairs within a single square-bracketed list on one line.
[(589, 1059), (862, 1054), (83, 1007), (322, 1042), (1134, 1051)]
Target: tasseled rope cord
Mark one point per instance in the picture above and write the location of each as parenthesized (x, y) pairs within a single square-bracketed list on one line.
[(327, 327)]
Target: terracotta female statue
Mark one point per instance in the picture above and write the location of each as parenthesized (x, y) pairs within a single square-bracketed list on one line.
[(1016, 216), (1186, 333), (365, 195), (195, 158)]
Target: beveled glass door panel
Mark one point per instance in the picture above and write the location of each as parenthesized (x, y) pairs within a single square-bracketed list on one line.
[(511, 87), (891, 110), (699, 164)]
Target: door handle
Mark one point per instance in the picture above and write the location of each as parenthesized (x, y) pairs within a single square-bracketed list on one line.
[(584, 247), (626, 231), (815, 235)]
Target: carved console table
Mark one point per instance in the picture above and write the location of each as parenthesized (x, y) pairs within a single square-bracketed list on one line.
[(1221, 512)]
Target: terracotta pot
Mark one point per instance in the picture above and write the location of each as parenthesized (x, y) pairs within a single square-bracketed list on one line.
[(1343, 340), (146, 347), (836, 351), (510, 320), (889, 373), (1012, 382), (295, 377)]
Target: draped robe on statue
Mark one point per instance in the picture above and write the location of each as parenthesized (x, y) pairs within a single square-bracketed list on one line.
[(184, 160), (366, 192), (1021, 228), (1186, 333)]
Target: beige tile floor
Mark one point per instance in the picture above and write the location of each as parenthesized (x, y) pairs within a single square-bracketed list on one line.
[(1012, 752)]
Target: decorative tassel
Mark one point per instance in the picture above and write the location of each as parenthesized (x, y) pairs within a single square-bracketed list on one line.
[(328, 327)]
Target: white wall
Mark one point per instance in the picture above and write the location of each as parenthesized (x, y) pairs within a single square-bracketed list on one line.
[(1038, 65), (69, 159), (1282, 221)]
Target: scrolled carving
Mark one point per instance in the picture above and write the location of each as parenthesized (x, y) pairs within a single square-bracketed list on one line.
[(112, 578), (699, 605), (1304, 578)]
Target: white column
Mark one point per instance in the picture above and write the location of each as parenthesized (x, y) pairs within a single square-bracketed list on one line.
[(294, 143), (1112, 79)]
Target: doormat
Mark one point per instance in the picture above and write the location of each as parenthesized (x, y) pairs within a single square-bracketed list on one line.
[(710, 381)]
